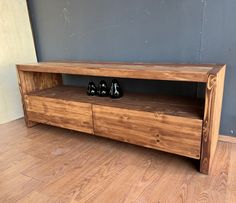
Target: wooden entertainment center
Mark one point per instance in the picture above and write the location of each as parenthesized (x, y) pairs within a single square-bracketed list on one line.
[(176, 124)]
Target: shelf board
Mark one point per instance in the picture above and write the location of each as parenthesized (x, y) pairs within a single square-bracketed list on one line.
[(160, 104), (150, 71)]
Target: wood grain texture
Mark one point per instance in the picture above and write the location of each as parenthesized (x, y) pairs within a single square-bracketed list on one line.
[(62, 113), (44, 80), (49, 164), (160, 104), (31, 81), (152, 71), (227, 138), (156, 121), (212, 114), (231, 186), (177, 135)]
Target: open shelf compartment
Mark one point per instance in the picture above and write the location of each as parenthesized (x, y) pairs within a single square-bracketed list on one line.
[(180, 125), (160, 104), (154, 121)]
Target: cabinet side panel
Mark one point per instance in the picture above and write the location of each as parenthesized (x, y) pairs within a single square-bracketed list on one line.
[(217, 111), (34, 81), (212, 115)]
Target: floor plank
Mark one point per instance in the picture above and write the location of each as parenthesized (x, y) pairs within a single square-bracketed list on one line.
[(231, 187), (49, 164)]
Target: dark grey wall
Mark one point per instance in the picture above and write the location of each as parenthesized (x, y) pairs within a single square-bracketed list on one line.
[(196, 31)]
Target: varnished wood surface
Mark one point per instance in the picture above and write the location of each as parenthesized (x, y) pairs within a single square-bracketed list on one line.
[(211, 120), (41, 76), (177, 135), (61, 113), (31, 82), (49, 164), (178, 72), (157, 122), (216, 117), (160, 104), (227, 138)]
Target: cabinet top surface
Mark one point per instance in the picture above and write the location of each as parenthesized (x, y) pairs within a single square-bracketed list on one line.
[(151, 71)]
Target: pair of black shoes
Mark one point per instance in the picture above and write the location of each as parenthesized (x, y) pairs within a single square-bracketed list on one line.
[(103, 91)]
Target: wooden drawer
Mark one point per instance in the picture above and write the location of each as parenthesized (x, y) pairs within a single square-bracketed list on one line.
[(62, 113), (173, 134)]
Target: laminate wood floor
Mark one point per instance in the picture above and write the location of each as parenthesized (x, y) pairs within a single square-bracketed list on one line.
[(49, 164)]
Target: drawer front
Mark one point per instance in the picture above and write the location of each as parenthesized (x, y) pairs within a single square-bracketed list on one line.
[(167, 133), (61, 113)]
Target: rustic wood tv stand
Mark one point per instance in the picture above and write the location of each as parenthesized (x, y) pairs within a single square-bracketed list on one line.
[(179, 125)]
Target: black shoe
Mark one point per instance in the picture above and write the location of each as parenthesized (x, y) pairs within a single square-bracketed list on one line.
[(103, 89), (92, 90), (115, 91)]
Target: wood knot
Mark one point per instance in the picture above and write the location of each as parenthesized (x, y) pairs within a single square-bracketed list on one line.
[(205, 130), (158, 114), (212, 82), (205, 125), (124, 117)]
